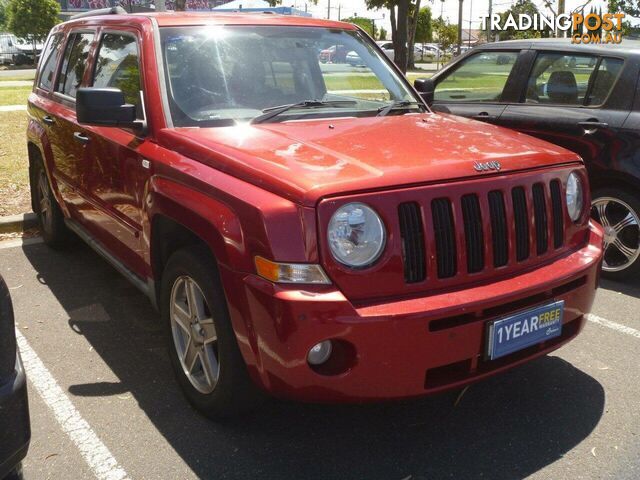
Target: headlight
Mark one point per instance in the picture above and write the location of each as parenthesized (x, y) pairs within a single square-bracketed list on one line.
[(356, 235), (574, 196)]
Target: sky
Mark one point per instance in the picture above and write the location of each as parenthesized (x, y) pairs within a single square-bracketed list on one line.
[(471, 9)]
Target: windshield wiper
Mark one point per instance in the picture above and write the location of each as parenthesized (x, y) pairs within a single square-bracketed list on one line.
[(384, 111), (271, 112)]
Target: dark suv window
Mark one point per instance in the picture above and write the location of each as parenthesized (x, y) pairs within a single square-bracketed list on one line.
[(479, 78), (118, 66), (49, 61), (74, 63), (569, 79)]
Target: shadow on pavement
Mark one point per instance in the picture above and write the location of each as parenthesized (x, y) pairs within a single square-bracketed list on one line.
[(627, 288), (504, 428)]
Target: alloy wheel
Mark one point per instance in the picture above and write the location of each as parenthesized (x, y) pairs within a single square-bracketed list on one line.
[(44, 202), (621, 232), (194, 334)]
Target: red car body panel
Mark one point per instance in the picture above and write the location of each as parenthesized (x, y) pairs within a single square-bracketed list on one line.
[(268, 190), (305, 161)]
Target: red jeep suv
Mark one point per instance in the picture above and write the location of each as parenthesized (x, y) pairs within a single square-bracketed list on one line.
[(308, 230)]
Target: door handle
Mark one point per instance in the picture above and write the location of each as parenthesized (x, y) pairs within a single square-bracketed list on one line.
[(592, 126), (48, 120), (484, 116), (80, 137)]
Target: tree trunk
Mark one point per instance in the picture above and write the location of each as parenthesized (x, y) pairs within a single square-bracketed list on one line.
[(35, 54), (394, 25), (401, 35), (413, 25)]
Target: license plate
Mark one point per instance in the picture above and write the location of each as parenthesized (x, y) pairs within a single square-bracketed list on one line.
[(524, 329)]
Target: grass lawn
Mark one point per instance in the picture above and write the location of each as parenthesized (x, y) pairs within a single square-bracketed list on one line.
[(362, 82), (14, 95), (18, 76), (14, 174)]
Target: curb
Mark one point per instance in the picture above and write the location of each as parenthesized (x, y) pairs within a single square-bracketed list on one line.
[(18, 223)]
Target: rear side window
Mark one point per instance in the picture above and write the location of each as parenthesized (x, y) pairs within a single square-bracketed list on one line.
[(118, 66), (49, 61), (74, 63), (479, 78), (569, 79), (603, 80)]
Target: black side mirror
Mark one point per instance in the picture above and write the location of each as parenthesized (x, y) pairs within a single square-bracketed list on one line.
[(426, 88), (105, 107)]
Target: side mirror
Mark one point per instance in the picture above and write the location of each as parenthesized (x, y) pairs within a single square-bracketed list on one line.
[(105, 107), (426, 88)]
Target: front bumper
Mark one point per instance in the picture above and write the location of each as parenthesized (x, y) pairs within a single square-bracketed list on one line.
[(15, 431), (403, 348)]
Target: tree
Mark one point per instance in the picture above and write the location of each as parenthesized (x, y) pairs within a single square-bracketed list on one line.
[(447, 33), (399, 18), (424, 28), (366, 24), (631, 8), (521, 7), (3, 15), (423, 32), (32, 19), (382, 35)]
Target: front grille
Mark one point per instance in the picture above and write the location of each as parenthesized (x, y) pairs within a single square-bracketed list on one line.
[(522, 223), (444, 230), (558, 217), (473, 233), (540, 218), (412, 235), (500, 227), (499, 233)]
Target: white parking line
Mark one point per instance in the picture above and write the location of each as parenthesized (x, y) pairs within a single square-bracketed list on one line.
[(613, 325), (95, 453)]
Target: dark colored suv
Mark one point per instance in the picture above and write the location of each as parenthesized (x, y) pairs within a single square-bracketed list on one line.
[(583, 97), (305, 229), (15, 431)]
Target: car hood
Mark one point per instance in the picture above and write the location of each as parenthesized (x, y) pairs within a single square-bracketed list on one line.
[(307, 160)]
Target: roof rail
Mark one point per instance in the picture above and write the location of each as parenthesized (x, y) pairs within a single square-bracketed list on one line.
[(101, 11)]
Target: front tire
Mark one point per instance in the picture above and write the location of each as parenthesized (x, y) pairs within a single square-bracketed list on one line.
[(50, 217), (618, 211), (204, 352)]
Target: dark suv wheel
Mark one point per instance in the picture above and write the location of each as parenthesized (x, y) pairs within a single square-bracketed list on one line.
[(618, 211), (202, 344)]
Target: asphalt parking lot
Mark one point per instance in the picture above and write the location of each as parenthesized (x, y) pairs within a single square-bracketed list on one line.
[(95, 353)]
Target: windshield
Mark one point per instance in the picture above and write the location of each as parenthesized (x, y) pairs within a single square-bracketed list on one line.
[(222, 75)]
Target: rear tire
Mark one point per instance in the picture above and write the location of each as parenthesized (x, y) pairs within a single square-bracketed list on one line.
[(618, 211), (50, 216), (202, 344)]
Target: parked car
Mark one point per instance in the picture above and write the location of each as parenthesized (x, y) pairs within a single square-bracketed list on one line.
[(15, 431), (9, 51), (389, 51), (582, 97), (333, 54), (387, 48), (316, 244), (353, 59)]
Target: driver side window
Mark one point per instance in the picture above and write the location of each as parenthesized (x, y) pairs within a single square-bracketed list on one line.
[(118, 66), (480, 78)]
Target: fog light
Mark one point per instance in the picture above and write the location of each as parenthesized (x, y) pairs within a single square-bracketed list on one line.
[(320, 353)]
